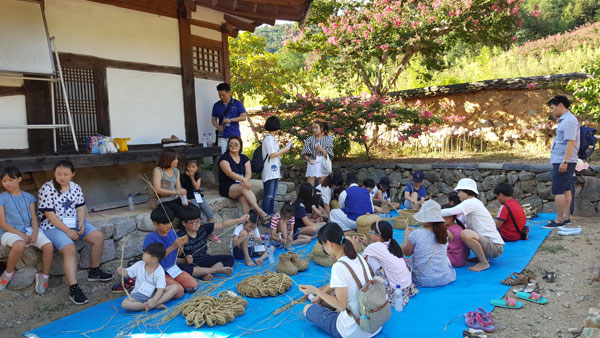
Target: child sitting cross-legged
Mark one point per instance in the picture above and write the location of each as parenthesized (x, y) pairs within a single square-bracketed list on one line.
[(151, 290), (161, 219), (195, 260), (245, 243), (19, 229), (283, 228)]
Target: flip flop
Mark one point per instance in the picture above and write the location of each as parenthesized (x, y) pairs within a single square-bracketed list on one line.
[(531, 287), (532, 297), (509, 303), (480, 321)]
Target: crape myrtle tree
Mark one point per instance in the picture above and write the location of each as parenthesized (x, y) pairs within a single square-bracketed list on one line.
[(370, 43)]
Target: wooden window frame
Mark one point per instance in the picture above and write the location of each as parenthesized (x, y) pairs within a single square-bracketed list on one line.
[(197, 41)]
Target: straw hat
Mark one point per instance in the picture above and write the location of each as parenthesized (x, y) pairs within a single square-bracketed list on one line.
[(430, 212), (467, 184)]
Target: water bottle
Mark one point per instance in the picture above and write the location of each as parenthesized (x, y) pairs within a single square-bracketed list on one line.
[(184, 200), (250, 245), (398, 301), (204, 140), (130, 202), (210, 138), (267, 239)]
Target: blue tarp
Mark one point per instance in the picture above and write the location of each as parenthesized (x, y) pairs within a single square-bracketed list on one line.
[(426, 315)]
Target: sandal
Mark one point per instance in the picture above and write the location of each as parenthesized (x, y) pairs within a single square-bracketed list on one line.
[(517, 279), (480, 320), (549, 276), (473, 333), (509, 303), (532, 297), (266, 221), (530, 287)]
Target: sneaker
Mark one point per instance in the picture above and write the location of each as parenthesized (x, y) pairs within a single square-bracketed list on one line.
[(41, 283), (129, 284), (567, 221), (552, 225), (4, 279), (214, 238), (99, 276), (190, 290), (77, 296)]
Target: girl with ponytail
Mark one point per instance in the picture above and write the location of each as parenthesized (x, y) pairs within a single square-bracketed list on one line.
[(386, 258), (428, 246), (458, 251), (338, 323)]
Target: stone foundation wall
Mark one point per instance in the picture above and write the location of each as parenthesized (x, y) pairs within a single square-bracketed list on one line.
[(531, 183), (125, 229)]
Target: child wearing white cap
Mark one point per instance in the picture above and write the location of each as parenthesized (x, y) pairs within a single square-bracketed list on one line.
[(481, 234)]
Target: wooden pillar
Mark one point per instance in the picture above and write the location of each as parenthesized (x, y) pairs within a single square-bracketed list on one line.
[(226, 67), (187, 74), (38, 110)]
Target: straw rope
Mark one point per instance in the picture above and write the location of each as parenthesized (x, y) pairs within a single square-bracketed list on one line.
[(213, 311), (269, 284)]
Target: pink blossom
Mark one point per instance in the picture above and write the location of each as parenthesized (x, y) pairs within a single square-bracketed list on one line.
[(402, 138), (384, 47), (364, 138), (391, 115), (371, 114), (426, 114), (514, 38), (338, 130), (415, 135), (531, 85), (397, 23), (335, 118), (418, 102), (451, 13)]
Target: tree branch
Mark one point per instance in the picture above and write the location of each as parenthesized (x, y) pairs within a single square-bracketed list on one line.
[(407, 56), (365, 77), (382, 62)]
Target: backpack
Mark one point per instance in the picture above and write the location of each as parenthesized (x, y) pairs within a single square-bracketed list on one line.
[(587, 142), (258, 163), (373, 304)]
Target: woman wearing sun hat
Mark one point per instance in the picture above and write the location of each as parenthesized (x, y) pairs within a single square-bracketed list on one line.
[(428, 246), (481, 234)]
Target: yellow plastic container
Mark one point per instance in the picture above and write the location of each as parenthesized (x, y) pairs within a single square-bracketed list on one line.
[(122, 142)]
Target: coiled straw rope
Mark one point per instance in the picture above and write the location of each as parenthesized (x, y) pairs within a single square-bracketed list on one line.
[(213, 311), (269, 284)]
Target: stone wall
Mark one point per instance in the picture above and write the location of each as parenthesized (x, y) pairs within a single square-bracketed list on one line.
[(124, 229), (531, 183)]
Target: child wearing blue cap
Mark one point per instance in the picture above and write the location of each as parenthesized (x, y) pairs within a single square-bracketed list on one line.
[(415, 193)]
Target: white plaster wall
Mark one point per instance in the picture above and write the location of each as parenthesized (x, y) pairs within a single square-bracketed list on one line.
[(111, 32), (13, 112), (209, 15), (206, 33), (206, 96), (145, 106)]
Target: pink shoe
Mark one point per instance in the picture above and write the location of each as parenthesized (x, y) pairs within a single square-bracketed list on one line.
[(214, 238)]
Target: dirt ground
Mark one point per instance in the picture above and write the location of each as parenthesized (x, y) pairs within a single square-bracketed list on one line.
[(574, 259)]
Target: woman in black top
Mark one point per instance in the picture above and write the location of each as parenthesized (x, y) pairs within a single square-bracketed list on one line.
[(234, 178)]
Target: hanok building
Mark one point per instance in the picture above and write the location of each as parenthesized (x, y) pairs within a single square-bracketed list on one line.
[(138, 69)]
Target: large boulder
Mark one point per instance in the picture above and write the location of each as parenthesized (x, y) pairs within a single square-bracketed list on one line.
[(584, 208), (123, 226), (22, 278), (512, 178), (144, 223), (591, 189), (133, 245), (108, 254), (544, 191), (528, 186), (526, 175), (549, 207), (534, 200), (107, 228), (31, 256)]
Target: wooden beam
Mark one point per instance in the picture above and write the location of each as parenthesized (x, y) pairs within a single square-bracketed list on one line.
[(187, 74), (263, 12), (226, 66), (101, 95), (241, 24), (214, 2), (254, 7), (230, 30), (11, 91), (85, 61), (205, 24), (235, 3), (279, 2)]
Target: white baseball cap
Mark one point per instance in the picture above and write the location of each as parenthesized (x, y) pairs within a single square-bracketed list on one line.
[(430, 212), (467, 184)]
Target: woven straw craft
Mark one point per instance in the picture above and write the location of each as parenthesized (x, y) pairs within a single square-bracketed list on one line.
[(290, 263), (320, 257), (269, 284), (363, 223), (213, 311)]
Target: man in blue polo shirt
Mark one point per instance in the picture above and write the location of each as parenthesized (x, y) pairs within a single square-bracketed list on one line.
[(563, 158), (354, 202), (227, 113)]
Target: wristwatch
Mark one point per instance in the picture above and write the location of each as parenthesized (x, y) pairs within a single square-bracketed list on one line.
[(565, 162)]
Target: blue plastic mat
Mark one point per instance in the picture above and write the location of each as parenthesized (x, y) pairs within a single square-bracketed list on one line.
[(426, 315)]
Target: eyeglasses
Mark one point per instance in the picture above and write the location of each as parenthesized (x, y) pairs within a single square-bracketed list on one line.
[(374, 233), (234, 144)]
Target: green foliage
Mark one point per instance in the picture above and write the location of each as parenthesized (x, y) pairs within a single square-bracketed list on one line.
[(256, 73), (587, 93), (555, 16), (352, 119), (371, 43)]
